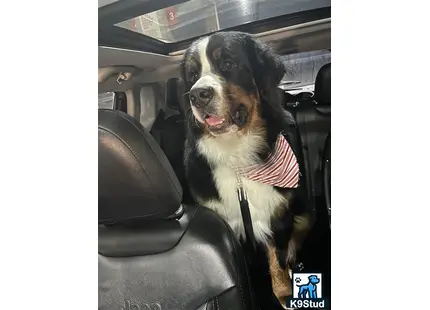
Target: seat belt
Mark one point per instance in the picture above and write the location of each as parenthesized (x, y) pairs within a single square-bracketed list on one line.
[(246, 214)]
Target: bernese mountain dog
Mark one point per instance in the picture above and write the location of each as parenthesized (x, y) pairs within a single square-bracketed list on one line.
[(235, 122)]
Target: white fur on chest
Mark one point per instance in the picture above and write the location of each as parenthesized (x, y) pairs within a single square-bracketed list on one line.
[(225, 153)]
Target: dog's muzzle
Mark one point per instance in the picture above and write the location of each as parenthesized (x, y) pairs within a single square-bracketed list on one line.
[(201, 96)]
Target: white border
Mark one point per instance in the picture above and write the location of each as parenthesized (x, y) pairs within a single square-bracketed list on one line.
[(48, 162), (48, 157), (380, 150)]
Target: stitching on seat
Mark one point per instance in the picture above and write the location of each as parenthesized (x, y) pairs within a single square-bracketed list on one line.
[(216, 303)]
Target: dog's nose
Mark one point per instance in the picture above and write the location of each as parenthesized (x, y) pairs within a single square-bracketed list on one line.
[(201, 96)]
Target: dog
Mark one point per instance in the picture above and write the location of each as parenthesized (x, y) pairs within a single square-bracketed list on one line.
[(309, 290), (235, 122)]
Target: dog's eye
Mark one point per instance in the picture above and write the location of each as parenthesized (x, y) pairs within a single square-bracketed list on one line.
[(228, 65)]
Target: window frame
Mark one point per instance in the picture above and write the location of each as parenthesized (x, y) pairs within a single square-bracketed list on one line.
[(117, 37)]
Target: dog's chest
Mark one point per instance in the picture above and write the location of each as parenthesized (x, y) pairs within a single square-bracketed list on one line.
[(263, 201)]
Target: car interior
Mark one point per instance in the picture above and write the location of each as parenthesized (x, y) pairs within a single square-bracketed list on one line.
[(157, 249)]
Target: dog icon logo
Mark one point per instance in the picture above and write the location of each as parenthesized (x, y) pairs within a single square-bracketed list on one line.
[(307, 285)]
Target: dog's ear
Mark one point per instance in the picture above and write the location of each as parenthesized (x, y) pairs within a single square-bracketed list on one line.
[(267, 66)]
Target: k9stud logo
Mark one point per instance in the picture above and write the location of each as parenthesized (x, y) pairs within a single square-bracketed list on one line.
[(307, 292)]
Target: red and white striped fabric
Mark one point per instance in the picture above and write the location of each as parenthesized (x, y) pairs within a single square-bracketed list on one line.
[(281, 168)]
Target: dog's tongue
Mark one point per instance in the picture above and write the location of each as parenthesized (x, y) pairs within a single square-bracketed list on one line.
[(213, 120)]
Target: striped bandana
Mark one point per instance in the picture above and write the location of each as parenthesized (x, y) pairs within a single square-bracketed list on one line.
[(281, 169)]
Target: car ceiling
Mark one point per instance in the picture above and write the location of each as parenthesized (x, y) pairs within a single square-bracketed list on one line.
[(148, 67)]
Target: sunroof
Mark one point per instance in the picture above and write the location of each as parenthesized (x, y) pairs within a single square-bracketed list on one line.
[(198, 17)]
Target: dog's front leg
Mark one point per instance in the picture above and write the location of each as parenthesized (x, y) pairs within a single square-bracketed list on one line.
[(282, 229), (289, 232), (281, 226), (281, 281), (299, 232), (300, 224)]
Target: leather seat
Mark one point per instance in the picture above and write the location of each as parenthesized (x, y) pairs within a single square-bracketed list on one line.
[(154, 252), (323, 98), (313, 117)]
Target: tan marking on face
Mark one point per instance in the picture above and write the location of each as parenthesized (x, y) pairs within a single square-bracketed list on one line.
[(235, 96)]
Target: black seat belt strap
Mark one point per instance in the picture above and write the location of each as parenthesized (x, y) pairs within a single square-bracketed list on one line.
[(246, 214), (246, 217)]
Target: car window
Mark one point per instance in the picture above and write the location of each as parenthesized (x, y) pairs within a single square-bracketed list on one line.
[(107, 100), (198, 17), (302, 69)]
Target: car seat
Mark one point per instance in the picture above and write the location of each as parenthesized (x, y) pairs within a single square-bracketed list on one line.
[(153, 251)]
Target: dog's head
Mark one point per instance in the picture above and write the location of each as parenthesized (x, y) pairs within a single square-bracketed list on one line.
[(314, 279), (226, 77)]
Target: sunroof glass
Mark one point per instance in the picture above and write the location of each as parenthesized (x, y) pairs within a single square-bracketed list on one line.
[(199, 17)]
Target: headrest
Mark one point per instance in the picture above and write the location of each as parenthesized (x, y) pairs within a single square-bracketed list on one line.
[(323, 85), (136, 180), (174, 92)]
